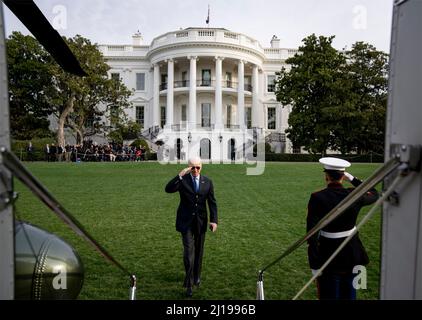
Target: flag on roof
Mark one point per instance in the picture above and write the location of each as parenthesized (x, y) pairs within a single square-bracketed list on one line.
[(208, 17)]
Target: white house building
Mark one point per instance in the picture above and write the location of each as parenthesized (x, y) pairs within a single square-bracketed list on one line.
[(203, 91)]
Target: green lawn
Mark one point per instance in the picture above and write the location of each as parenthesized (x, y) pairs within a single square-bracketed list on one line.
[(124, 206)]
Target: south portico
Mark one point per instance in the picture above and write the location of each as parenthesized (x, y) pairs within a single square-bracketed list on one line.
[(204, 84)]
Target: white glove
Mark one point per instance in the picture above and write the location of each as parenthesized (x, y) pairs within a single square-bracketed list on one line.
[(349, 176), (315, 271)]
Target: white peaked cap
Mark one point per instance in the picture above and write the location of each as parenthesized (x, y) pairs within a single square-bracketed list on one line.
[(331, 163)]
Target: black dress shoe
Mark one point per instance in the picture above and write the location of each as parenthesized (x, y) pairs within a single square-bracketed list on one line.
[(198, 282), (189, 292)]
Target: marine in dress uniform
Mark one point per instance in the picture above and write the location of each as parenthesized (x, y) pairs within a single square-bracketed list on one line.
[(191, 221), (336, 281)]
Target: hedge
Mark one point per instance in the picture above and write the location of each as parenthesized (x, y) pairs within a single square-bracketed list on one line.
[(19, 147), (293, 157)]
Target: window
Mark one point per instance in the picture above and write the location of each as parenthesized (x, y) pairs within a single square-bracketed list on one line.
[(184, 117), (184, 79), (163, 85), (140, 115), (229, 115), (271, 83), (229, 83), (163, 116), (90, 122), (140, 81), (206, 115), (115, 76), (248, 83), (296, 149), (206, 78), (248, 117), (271, 118), (114, 115)]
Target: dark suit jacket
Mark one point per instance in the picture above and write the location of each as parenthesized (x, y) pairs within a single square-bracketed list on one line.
[(320, 248), (192, 211)]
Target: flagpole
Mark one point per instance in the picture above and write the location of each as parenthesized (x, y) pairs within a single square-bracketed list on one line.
[(208, 17)]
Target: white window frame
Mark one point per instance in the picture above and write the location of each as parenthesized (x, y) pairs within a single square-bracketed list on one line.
[(136, 80), (139, 120), (274, 120), (274, 77)]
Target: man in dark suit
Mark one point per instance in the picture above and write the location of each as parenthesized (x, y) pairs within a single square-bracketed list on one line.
[(336, 281), (195, 191)]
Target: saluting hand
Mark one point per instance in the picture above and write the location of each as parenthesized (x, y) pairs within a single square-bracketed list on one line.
[(184, 171), (348, 176)]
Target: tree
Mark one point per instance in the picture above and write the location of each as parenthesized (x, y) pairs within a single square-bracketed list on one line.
[(38, 87), (338, 99), (81, 102), (30, 87), (125, 131), (367, 76), (310, 87)]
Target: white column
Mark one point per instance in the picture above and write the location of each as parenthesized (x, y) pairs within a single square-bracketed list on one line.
[(170, 93), (218, 93), (192, 93), (156, 98), (241, 95), (255, 98)]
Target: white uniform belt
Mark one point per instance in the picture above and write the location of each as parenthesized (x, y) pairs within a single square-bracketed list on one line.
[(336, 235)]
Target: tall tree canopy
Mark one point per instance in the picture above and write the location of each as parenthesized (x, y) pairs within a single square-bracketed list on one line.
[(310, 87), (366, 74), (338, 99), (39, 88), (78, 104), (30, 87)]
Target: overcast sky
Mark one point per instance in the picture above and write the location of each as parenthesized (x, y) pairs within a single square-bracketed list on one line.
[(115, 21)]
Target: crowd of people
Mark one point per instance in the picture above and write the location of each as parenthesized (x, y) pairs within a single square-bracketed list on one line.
[(91, 151)]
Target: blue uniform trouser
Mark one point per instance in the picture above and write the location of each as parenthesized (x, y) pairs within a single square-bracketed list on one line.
[(336, 287)]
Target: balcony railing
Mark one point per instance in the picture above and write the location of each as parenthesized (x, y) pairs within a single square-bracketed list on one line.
[(183, 126), (179, 127), (248, 87), (229, 84), (232, 127), (205, 126), (181, 84), (276, 137), (207, 35), (206, 83)]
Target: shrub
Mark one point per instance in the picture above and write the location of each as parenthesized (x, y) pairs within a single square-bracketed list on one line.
[(141, 142), (19, 147), (299, 157)]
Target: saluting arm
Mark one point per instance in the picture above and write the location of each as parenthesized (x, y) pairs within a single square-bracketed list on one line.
[(370, 197), (173, 185)]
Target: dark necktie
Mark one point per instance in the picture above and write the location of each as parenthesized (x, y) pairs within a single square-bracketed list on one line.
[(196, 184)]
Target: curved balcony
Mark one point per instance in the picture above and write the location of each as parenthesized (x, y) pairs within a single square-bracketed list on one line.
[(208, 35), (204, 84)]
